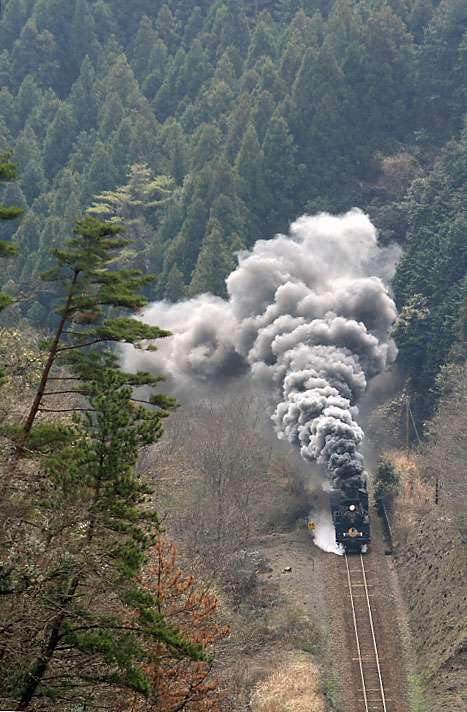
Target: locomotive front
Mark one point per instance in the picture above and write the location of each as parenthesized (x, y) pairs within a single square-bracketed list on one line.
[(351, 519)]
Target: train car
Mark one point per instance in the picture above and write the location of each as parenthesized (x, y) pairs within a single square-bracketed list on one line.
[(349, 511)]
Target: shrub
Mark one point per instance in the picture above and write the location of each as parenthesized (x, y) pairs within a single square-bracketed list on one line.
[(385, 484)]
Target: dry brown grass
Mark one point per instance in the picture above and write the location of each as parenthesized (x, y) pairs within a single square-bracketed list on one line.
[(293, 688), (416, 495), (413, 488)]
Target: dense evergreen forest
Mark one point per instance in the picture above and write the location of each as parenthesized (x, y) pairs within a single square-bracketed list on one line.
[(205, 126), (201, 127)]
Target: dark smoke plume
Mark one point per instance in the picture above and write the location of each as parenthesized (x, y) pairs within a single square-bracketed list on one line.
[(309, 316)]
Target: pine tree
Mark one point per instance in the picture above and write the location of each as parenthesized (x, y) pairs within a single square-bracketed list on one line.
[(121, 80), (230, 29), (262, 112), (263, 42), (204, 145), (387, 89), (238, 126), (143, 44), (7, 173), (88, 288), (29, 96), (184, 250), (34, 53), (8, 110), (175, 289), (59, 140), (120, 148), (135, 205), (27, 238), (194, 71), (279, 175), (83, 40), (168, 29), (172, 150), (214, 263), (250, 182), (441, 70), (83, 624), (291, 60), (271, 80), (98, 174), (220, 99), (157, 67), (85, 96), (144, 132)]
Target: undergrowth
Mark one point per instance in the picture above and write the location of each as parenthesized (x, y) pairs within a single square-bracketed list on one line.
[(417, 701)]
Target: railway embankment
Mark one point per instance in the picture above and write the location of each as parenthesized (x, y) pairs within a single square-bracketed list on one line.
[(431, 562), (392, 649)]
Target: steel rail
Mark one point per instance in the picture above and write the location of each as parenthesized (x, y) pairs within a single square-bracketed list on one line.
[(360, 662), (357, 637), (383, 697)]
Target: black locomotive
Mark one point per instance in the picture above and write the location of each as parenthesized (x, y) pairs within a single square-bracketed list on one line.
[(349, 509)]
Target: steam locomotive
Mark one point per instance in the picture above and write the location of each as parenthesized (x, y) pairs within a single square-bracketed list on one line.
[(349, 510)]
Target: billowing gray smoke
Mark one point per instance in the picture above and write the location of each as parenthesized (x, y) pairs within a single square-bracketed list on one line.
[(309, 315)]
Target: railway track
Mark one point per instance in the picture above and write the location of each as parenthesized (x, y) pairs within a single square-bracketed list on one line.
[(372, 693)]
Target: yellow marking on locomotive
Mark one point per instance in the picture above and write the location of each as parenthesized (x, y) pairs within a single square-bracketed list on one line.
[(353, 531)]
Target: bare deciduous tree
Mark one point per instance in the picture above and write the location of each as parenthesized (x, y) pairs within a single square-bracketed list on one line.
[(217, 471)]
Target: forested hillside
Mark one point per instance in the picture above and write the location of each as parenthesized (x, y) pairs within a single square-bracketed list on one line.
[(205, 126)]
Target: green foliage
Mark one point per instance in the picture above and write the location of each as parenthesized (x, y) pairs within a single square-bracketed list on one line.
[(135, 206), (330, 692), (442, 64), (72, 565), (258, 114), (430, 283), (7, 173), (175, 287), (90, 527), (214, 263), (385, 483), (89, 289), (410, 333), (42, 438), (417, 697)]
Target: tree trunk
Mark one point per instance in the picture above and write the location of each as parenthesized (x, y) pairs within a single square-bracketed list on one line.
[(39, 394), (40, 667)]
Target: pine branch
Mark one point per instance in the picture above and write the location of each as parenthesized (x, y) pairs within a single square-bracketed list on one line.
[(65, 410), (80, 346), (76, 391)]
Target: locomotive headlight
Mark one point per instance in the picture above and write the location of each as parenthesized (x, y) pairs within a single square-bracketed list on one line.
[(352, 507)]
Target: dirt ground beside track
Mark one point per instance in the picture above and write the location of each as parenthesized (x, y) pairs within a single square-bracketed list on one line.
[(312, 583)]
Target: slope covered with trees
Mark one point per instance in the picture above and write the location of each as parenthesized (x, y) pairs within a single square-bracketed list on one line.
[(76, 621), (247, 114), (202, 127)]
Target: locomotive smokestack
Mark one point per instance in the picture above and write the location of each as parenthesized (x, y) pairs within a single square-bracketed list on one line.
[(309, 316)]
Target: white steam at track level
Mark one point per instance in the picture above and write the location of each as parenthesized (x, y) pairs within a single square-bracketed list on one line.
[(309, 315)]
